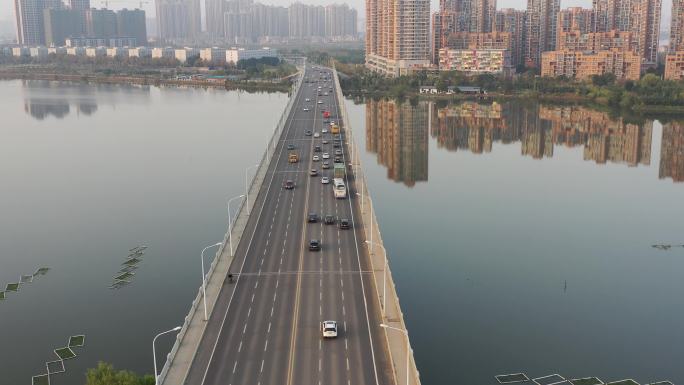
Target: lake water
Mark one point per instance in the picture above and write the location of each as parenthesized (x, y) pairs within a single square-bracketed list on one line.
[(520, 237), (88, 172)]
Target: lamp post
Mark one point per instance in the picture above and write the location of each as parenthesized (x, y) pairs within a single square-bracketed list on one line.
[(230, 224), (384, 280), (204, 279), (408, 348), (154, 352), (249, 211)]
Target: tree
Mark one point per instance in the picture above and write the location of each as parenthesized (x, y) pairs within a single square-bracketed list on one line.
[(104, 374)]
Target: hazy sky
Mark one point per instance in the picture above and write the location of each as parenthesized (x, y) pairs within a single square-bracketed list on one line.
[(7, 11)]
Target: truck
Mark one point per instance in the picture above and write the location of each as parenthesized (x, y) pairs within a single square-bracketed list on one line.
[(339, 171), (334, 128), (293, 157), (339, 189)]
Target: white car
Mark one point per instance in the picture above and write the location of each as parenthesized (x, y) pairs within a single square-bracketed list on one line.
[(329, 329), (315, 158), (332, 122), (326, 155), (308, 100), (325, 130), (320, 102), (317, 134), (306, 109), (325, 180)]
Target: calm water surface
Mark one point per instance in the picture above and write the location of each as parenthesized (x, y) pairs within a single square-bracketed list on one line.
[(88, 172), (520, 238), (520, 235)]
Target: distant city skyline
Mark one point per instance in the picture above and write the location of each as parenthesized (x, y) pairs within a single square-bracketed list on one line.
[(7, 12)]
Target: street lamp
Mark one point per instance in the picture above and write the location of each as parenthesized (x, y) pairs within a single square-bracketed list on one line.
[(204, 278), (230, 224), (408, 348), (384, 280), (247, 187), (154, 353)]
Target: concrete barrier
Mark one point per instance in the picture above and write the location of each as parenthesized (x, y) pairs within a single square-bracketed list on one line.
[(398, 342), (183, 352)]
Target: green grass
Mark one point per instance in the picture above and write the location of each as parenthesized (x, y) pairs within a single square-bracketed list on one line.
[(40, 380), (2, 295), (55, 367), (65, 353), (505, 378), (75, 341), (41, 271), (26, 278), (132, 262), (124, 276), (12, 287), (586, 381)]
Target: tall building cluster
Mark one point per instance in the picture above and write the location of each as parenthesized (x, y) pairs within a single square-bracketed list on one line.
[(178, 20), (245, 22), (397, 35), (472, 36), (51, 23)]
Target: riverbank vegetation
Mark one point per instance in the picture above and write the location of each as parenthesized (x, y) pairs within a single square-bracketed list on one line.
[(650, 94), (105, 374), (265, 73)]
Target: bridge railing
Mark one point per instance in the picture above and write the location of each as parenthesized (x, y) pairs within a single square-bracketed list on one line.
[(238, 222), (398, 343)]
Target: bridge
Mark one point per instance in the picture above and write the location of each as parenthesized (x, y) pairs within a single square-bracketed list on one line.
[(267, 293)]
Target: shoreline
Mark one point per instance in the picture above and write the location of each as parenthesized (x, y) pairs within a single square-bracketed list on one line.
[(146, 80), (552, 98)]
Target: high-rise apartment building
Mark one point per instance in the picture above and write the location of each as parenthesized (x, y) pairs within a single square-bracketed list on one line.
[(641, 17), (397, 35), (101, 23), (131, 23), (540, 31), (79, 4), (306, 20), (178, 19), (61, 24), (512, 21), (574, 19), (677, 26), (30, 20), (672, 152), (625, 65), (596, 41), (340, 20)]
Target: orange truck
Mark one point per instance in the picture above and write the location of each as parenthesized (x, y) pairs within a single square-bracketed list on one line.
[(293, 157)]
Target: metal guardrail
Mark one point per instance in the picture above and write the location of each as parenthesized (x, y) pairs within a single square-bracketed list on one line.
[(236, 232), (367, 204)]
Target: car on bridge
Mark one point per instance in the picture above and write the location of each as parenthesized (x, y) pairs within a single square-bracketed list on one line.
[(326, 165), (329, 220), (329, 329), (312, 218), (325, 180), (307, 133), (305, 109), (289, 185), (344, 224), (315, 158), (314, 245), (290, 146), (313, 172)]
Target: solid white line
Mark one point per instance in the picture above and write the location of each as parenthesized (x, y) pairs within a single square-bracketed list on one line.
[(347, 363), (240, 347), (253, 297), (358, 257), (346, 347), (263, 204), (234, 366), (244, 329), (266, 346), (262, 367), (249, 311), (269, 328)]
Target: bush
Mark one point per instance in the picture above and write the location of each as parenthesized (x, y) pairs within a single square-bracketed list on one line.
[(105, 374)]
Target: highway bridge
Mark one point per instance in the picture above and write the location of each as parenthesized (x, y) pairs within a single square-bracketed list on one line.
[(264, 326)]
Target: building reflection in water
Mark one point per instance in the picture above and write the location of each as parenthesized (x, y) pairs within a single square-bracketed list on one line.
[(672, 152), (44, 98), (474, 127), (398, 133)]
